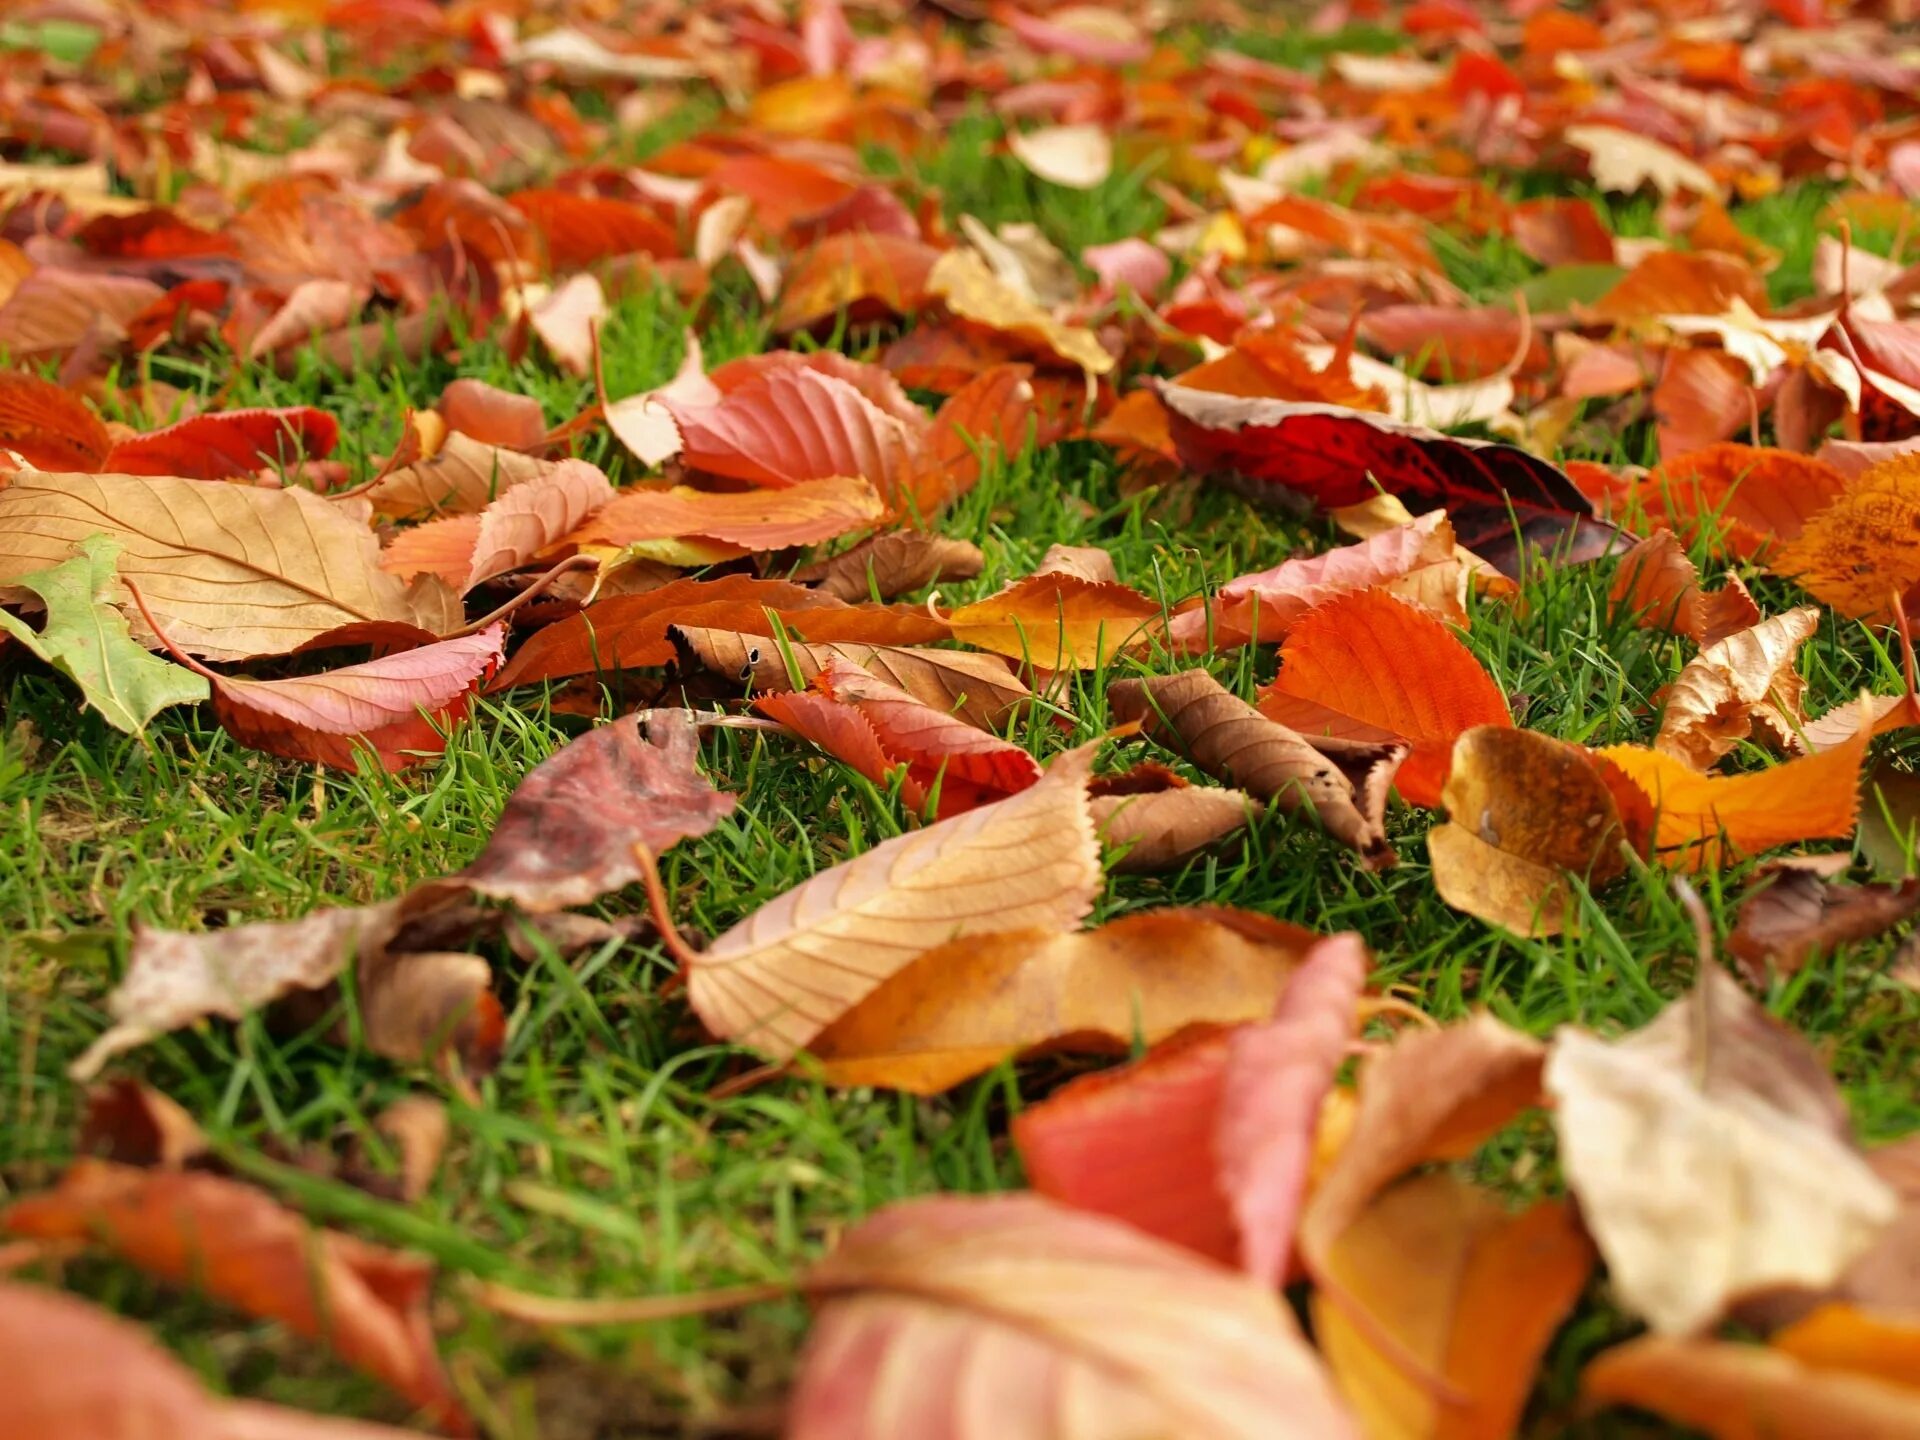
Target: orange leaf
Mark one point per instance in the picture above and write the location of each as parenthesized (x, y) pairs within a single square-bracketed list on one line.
[(1657, 584), (1679, 282), (869, 276), (493, 416), (1368, 664), (800, 514), (228, 444), (1858, 554), (49, 426), (1056, 621), (577, 230), (1702, 397), (512, 532), (1560, 231), (994, 415), (1760, 496)]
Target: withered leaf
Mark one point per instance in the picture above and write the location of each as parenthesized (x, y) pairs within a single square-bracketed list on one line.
[(883, 566), (1157, 821), (1658, 585), (1793, 914), (1744, 679)]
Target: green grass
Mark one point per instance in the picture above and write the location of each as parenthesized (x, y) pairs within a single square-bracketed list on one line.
[(595, 1161)]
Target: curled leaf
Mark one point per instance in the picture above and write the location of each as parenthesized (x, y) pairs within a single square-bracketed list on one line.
[(1658, 585), (1729, 686), (972, 292)]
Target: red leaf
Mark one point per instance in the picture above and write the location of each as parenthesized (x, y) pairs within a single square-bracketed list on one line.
[(580, 229), (228, 444), (989, 417), (1337, 456), (49, 426)]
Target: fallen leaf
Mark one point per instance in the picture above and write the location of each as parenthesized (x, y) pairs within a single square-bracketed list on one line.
[(883, 566), (1732, 685), (972, 292), (868, 276), (73, 1371), (992, 417), (491, 415), (233, 571), (1712, 1157), (1437, 1266), (1337, 456), (135, 1124), (1368, 665), (1746, 497), (1622, 162), (49, 426), (1793, 914), (1524, 810), (1703, 397), (1659, 587), (1676, 282), (1077, 157), (1857, 553), (1747, 1392), (1345, 788), (801, 961), (416, 1128), (644, 422), (462, 477), (1057, 621), (86, 638), (566, 321), (568, 832), (509, 534), (1150, 819), (1560, 230), (803, 513), (228, 444), (578, 230), (963, 1008), (1053, 1312), (239, 1245)]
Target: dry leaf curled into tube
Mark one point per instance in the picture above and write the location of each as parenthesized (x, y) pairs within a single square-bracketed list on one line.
[(73, 1371), (1794, 913), (241, 1246), (893, 564), (232, 571), (1727, 688), (568, 833), (1712, 1157), (1523, 810), (1155, 820), (1344, 786), (800, 962), (1658, 585), (1010, 1312), (961, 1009)]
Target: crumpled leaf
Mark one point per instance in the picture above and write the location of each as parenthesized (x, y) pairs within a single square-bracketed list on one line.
[(49, 426), (1057, 621), (1795, 912), (1730, 686), (232, 571), (1155, 820), (979, 689), (1857, 554), (1658, 585), (228, 444), (1524, 809), (800, 514), (964, 1007), (239, 1245), (74, 1371), (883, 566), (972, 292), (1336, 456), (1051, 1312), (512, 532), (568, 832), (1712, 1157), (1369, 666), (801, 961), (1345, 786), (86, 639), (1077, 157)]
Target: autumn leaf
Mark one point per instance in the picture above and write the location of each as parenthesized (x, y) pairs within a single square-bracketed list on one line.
[(238, 1245), (883, 566), (1857, 554), (1368, 666), (971, 292), (1745, 497), (1623, 161), (1344, 786), (577, 230), (1675, 282), (1745, 680), (511, 533), (869, 276), (566, 322), (86, 638), (962, 1008), (800, 514), (1659, 587), (992, 416), (492, 416), (1151, 819), (1794, 913), (232, 571), (934, 1300), (1057, 621), (227, 444), (1076, 157), (1712, 1157), (49, 426), (801, 961), (462, 477)]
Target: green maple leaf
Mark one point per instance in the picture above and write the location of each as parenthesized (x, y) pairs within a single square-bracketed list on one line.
[(86, 639)]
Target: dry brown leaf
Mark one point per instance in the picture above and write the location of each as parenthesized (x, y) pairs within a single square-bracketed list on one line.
[(416, 1126), (1157, 821), (135, 1124), (1344, 786), (883, 566), (231, 571), (1795, 913), (1087, 562), (804, 959), (1712, 1157), (1730, 686), (462, 477), (968, 1005), (1658, 585), (1524, 809)]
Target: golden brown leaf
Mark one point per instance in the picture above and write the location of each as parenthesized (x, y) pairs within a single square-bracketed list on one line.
[(972, 292), (1057, 621), (799, 514), (1730, 686), (462, 477), (1157, 821), (1794, 913), (1660, 588), (1858, 554), (509, 534), (883, 566)]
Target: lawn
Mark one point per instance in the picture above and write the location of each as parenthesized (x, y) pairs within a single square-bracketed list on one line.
[(596, 1160)]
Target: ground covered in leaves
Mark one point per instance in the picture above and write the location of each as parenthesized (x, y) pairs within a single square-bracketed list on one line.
[(1280, 633)]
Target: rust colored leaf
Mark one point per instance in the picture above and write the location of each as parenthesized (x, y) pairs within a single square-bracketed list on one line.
[(228, 444), (232, 571), (241, 1246), (1751, 497), (135, 1124), (992, 416), (1052, 1312), (1857, 554), (1683, 282), (73, 1371), (1370, 664), (1712, 1157), (800, 962), (49, 426), (493, 416), (1345, 788), (883, 566), (1794, 914), (800, 514), (1729, 688), (1525, 809), (979, 689), (964, 1007), (1057, 621), (1155, 820), (1703, 397), (1337, 456), (55, 309), (510, 534), (1658, 585), (568, 834), (1560, 231), (869, 276), (1748, 1392), (577, 230), (1437, 1266)]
